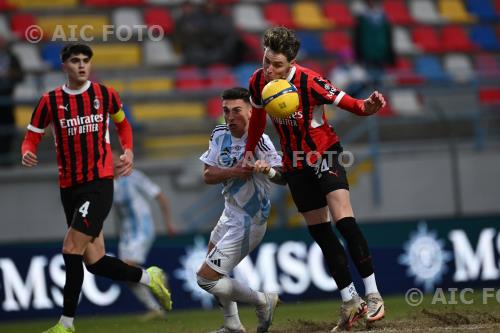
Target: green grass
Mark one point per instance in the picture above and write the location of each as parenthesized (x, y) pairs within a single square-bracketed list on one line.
[(297, 317)]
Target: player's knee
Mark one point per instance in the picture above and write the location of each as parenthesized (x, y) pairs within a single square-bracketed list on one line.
[(221, 288), (204, 283)]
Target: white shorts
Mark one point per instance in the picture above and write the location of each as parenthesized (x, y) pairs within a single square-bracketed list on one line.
[(135, 250), (234, 237)]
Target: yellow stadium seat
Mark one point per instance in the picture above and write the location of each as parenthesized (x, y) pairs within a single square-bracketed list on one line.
[(159, 111), (37, 4), (175, 146), (23, 115), (454, 11), (74, 27), (116, 55), (119, 85), (308, 15), (150, 85)]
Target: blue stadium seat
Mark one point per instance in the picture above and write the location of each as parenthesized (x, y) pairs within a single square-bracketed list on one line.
[(483, 9), (311, 45), (430, 67), (485, 37), (50, 53), (244, 71)]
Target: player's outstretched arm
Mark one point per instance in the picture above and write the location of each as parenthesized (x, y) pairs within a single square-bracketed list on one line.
[(216, 175), (369, 106), (274, 174)]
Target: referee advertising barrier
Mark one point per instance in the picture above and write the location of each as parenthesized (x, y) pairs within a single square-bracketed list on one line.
[(423, 254)]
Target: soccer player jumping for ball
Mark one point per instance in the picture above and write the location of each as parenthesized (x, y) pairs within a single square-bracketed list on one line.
[(318, 182), (242, 224), (78, 112)]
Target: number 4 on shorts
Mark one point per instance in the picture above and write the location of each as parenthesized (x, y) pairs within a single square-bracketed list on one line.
[(84, 209)]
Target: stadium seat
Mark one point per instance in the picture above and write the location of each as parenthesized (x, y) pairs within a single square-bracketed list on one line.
[(118, 55), (214, 108), (249, 17), (454, 11), (51, 55), (244, 71), (402, 72), (489, 96), (484, 36), (253, 45), (5, 31), (397, 12), (165, 2), (25, 90), (424, 11), (308, 15), (427, 39), (20, 22), (6, 5), (279, 14), (335, 41), (52, 80), (310, 44), (487, 66), (160, 53), (174, 110), (23, 116), (220, 77), (497, 6), (338, 14), (455, 38), (483, 9), (114, 3), (150, 85), (401, 39), (430, 68), (127, 17), (160, 17), (53, 4), (405, 102), (459, 67), (51, 26), (29, 57), (188, 78)]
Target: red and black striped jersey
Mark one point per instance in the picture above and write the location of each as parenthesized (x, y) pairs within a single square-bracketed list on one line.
[(306, 131), (80, 124)]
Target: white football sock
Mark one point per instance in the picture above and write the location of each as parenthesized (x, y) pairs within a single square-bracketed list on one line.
[(145, 278), (67, 321), (348, 292), (144, 295), (232, 289), (370, 284), (231, 317)]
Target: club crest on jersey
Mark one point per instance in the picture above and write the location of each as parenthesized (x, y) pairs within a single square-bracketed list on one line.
[(96, 104)]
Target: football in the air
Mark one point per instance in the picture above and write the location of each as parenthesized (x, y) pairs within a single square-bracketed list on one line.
[(280, 98)]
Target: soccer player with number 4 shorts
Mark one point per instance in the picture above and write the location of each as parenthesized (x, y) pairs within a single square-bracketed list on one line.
[(79, 113), (242, 224), (313, 169)]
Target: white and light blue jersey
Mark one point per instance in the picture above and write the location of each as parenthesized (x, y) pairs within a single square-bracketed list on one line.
[(131, 200), (250, 196)]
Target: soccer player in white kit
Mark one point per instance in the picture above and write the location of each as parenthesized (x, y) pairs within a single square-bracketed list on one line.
[(242, 224), (136, 228)]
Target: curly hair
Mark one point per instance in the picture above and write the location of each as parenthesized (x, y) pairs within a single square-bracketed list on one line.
[(282, 40)]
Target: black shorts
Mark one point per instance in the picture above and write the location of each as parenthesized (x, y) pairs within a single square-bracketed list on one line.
[(310, 185), (87, 205)]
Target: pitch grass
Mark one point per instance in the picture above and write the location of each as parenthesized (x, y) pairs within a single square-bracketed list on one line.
[(300, 317)]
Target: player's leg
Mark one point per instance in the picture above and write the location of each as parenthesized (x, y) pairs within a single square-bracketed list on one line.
[(134, 252)]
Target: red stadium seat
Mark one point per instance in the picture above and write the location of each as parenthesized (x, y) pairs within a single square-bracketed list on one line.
[(403, 72), (497, 6), (335, 41), (489, 96), (160, 17), (427, 39), (20, 22), (214, 108), (219, 77), (190, 78), (397, 12), (6, 5), (456, 39), (338, 13), (279, 14), (253, 45)]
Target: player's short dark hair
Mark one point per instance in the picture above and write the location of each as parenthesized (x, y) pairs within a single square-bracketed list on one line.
[(75, 48), (236, 93), (282, 40)]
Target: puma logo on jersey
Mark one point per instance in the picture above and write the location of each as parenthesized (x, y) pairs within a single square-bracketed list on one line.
[(65, 108)]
